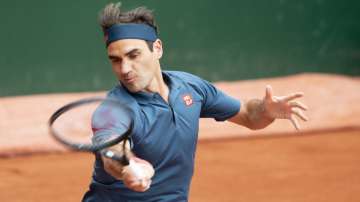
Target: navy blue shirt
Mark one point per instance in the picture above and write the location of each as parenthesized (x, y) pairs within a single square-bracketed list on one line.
[(165, 134)]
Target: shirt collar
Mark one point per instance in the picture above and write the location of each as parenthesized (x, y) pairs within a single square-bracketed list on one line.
[(172, 84)]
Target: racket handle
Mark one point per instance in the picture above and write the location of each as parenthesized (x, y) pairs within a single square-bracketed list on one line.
[(133, 167), (111, 155)]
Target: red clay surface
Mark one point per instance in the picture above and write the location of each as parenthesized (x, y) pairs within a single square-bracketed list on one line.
[(319, 167)]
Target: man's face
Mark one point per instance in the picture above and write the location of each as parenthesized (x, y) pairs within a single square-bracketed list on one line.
[(134, 64)]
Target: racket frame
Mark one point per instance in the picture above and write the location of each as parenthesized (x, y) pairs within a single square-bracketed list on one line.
[(87, 147)]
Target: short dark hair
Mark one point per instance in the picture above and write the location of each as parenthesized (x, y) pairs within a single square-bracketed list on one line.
[(112, 15)]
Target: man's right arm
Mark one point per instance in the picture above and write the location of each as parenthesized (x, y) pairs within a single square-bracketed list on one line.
[(136, 176)]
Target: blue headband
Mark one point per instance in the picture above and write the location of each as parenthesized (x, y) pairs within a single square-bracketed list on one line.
[(130, 31)]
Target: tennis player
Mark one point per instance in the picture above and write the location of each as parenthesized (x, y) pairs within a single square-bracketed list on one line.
[(167, 106)]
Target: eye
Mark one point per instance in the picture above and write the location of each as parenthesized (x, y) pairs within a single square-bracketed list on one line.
[(134, 55), (115, 59)]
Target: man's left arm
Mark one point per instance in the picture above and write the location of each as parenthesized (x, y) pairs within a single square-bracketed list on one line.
[(259, 113)]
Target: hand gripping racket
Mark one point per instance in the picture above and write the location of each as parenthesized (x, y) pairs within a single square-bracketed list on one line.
[(71, 126)]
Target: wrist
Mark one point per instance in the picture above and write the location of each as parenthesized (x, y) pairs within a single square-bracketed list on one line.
[(255, 109), (258, 114)]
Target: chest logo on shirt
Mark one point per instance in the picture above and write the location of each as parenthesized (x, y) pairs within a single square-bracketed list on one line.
[(188, 99)]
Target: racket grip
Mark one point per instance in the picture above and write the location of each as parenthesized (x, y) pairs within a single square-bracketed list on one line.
[(111, 155)]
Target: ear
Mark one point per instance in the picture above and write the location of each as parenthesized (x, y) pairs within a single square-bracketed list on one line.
[(157, 48)]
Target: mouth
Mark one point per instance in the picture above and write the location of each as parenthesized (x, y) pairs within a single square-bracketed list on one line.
[(129, 80)]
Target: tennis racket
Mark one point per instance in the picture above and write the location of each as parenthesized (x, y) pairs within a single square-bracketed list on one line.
[(74, 124)]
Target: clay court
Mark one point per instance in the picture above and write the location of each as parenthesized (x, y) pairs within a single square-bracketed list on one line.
[(233, 164), (318, 167)]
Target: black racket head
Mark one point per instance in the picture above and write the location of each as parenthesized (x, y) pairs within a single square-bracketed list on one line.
[(113, 108)]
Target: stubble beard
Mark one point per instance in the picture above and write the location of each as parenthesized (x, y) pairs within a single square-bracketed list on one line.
[(135, 87)]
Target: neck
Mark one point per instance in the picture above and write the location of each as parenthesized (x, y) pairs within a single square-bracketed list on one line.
[(158, 85)]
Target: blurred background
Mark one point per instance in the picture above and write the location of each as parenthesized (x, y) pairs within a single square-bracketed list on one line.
[(49, 46), (57, 46)]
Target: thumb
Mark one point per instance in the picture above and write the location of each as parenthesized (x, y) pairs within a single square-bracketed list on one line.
[(268, 92)]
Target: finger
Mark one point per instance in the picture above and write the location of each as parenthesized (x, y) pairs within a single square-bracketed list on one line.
[(295, 122), (293, 96), (298, 105), (130, 184), (140, 185), (137, 185), (268, 92), (138, 188), (300, 114), (147, 168), (148, 185), (129, 178)]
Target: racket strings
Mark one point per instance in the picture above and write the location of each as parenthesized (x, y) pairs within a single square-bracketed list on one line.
[(67, 137)]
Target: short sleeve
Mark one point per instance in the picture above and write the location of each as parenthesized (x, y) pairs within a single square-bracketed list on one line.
[(216, 104)]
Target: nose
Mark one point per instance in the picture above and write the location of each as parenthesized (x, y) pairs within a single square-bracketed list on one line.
[(125, 67)]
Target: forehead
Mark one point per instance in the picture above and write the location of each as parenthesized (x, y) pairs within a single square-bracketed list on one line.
[(123, 46)]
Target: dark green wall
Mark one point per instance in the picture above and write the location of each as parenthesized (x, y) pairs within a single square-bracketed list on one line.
[(56, 46)]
